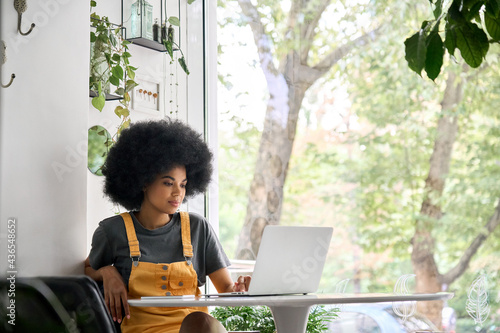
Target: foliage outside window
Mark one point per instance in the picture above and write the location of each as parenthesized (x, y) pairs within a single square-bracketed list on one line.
[(404, 169), (260, 318)]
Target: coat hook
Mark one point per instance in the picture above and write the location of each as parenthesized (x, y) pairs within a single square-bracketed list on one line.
[(4, 59), (21, 6)]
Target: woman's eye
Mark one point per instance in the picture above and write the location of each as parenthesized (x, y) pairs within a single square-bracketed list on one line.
[(168, 184), (183, 185)]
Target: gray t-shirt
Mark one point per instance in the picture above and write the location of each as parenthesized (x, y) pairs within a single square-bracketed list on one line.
[(162, 245)]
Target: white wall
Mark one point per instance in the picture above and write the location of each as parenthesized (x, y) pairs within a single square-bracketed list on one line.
[(43, 137), (44, 118)]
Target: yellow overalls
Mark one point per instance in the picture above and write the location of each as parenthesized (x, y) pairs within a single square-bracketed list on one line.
[(149, 279)]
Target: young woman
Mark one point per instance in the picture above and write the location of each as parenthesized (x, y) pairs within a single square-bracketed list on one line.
[(155, 250)]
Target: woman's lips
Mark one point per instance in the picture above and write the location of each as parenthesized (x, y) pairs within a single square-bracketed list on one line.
[(174, 203)]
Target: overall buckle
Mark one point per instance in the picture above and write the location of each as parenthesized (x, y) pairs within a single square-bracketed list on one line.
[(135, 260)]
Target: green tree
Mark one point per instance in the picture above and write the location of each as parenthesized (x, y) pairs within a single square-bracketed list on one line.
[(293, 55), (420, 165), (426, 169)]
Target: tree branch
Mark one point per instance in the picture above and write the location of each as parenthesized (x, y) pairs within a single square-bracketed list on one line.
[(312, 14), (311, 74), (261, 39), (464, 261)]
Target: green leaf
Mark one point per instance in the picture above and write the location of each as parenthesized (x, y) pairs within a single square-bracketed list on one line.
[(130, 72), (121, 111), (168, 46), (112, 39), (182, 62), (120, 91), (130, 84), (492, 26), (93, 37), (173, 20), (93, 3), (114, 80), (438, 9), (103, 37), (492, 7), (98, 102), (108, 57), (191, 1), (434, 56), (415, 51), (116, 57), (472, 43), (117, 71), (450, 40)]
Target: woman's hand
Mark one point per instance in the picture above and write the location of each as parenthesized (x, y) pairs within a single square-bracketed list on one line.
[(115, 292), (242, 283), (222, 281)]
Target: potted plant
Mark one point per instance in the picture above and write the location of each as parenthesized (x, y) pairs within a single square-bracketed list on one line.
[(110, 67)]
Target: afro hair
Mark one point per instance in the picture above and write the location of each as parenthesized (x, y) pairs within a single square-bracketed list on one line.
[(146, 149)]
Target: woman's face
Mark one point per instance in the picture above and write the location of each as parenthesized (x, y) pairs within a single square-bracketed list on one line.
[(167, 191)]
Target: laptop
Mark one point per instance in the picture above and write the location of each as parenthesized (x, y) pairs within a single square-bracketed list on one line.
[(290, 261)]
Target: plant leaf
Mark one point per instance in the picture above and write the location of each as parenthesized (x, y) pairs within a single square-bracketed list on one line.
[(415, 51), (191, 1), (98, 102), (130, 72), (130, 84), (450, 40), (117, 71), (121, 111), (472, 43), (492, 26), (168, 46), (114, 80), (434, 56), (182, 62), (120, 91), (173, 20), (492, 7), (439, 8)]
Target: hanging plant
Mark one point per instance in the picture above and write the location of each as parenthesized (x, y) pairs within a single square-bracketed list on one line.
[(171, 45), (110, 66)]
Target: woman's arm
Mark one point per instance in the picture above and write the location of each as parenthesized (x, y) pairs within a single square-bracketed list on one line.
[(115, 292), (222, 281)]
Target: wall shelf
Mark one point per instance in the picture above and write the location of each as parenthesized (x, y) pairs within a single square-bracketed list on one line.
[(139, 18), (109, 97)]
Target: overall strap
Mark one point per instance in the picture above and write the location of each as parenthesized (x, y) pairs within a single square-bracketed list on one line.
[(187, 248), (133, 243)]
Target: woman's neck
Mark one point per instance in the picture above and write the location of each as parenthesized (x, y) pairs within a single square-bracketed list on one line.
[(152, 219)]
